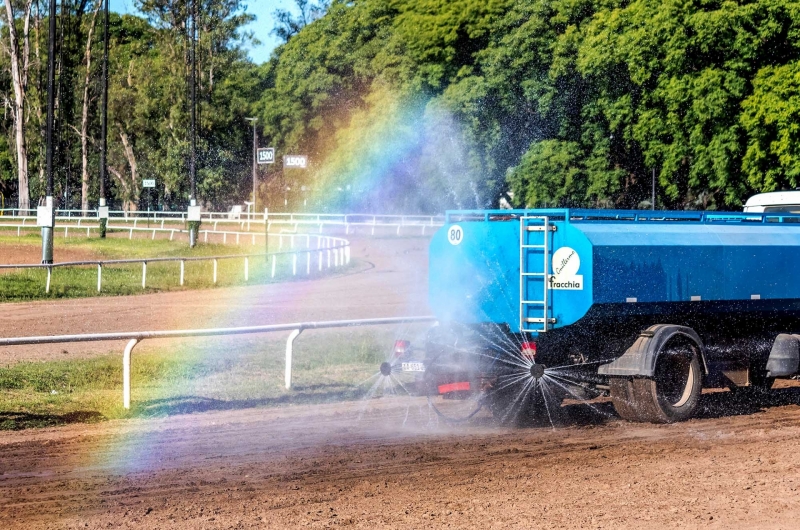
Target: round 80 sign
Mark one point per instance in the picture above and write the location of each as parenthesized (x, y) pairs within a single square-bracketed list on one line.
[(455, 234)]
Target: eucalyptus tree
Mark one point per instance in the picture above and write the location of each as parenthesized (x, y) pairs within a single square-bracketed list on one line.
[(17, 47)]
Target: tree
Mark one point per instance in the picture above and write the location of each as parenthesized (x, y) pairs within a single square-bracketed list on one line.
[(84, 129), (689, 67), (18, 50), (771, 122), (288, 25)]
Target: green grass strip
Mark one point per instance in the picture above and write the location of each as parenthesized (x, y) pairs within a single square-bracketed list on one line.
[(195, 376)]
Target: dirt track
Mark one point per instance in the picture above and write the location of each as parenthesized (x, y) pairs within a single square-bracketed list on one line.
[(390, 463), (21, 253), (389, 279)]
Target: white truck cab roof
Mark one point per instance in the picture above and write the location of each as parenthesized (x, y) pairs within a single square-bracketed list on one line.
[(775, 201)]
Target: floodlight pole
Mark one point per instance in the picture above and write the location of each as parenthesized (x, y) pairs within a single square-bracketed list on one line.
[(192, 158), (104, 125), (193, 125), (255, 161), (653, 202), (47, 231)]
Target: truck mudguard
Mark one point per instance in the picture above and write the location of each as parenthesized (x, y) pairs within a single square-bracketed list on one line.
[(784, 357), (640, 359)]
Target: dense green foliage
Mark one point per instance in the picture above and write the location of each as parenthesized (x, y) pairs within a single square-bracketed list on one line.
[(148, 121), (558, 102), (427, 104)]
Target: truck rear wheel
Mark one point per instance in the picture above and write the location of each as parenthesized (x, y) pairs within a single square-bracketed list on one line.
[(671, 395)]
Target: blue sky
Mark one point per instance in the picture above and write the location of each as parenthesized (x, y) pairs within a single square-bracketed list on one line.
[(262, 26)]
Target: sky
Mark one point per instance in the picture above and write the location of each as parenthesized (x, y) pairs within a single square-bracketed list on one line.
[(261, 28)]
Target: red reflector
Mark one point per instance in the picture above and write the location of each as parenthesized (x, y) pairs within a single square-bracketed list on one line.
[(401, 347), (529, 350), (454, 387)]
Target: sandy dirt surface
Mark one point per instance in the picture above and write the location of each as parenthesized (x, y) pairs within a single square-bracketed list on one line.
[(393, 465), (388, 462), (32, 254)]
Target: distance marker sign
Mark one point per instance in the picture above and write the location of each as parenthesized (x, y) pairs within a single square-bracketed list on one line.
[(266, 155), (295, 161)]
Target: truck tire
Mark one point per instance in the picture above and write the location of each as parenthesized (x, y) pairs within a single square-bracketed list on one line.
[(671, 395)]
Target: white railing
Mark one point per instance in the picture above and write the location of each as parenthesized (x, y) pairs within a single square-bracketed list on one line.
[(136, 337), (329, 251), (292, 216), (307, 220)]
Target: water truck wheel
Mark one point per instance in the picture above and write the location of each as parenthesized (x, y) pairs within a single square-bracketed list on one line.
[(671, 395)]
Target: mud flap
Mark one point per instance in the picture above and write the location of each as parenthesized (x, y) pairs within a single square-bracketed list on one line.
[(640, 358), (784, 358)]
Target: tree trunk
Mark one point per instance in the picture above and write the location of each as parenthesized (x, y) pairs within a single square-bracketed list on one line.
[(128, 205), (20, 60), (85, 115), (131, 158)]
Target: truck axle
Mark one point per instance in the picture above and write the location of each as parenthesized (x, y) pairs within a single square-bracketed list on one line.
[(386, 369)]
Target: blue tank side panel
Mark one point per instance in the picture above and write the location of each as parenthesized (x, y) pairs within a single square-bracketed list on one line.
[(570, 305), (676, 262), (476, 281)]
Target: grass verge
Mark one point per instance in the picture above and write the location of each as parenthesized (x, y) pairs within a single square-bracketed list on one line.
[(195, 376), (76, 282)]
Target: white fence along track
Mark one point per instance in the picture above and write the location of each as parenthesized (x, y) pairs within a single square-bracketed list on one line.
[(136, 337), (316, 221), (330, 251)]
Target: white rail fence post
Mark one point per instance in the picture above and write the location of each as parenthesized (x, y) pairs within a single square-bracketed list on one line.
[(289, 349), (126, 373), (99, 276)]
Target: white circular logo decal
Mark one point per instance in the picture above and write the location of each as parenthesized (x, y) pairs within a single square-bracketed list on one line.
[(566, 262), (455, 235)]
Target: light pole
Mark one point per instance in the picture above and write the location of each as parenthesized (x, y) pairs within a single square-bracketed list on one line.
[(255, 160), (654, 190), (103, 209), (194, 224), (47, 228)]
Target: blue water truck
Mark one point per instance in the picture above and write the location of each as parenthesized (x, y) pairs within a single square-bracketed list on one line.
[(647, 307)]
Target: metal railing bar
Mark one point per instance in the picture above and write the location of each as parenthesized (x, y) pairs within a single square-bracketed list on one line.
[(153, 260), (209, 332)]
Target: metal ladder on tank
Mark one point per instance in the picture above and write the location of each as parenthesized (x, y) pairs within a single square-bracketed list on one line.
[(528, 226)]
